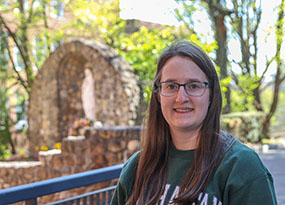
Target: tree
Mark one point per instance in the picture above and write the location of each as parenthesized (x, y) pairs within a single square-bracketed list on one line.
[(140, 45), (21, 21), (245, 21), (5, 124), (217, 12), (25, 41), (5, 120), (280, 66)]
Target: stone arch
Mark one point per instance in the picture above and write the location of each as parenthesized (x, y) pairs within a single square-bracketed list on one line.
[(56, 94)]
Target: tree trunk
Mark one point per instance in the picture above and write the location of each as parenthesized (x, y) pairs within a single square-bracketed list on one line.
[(9, 136), (257, 100), (266, 124), (218, 18), (278, 78)]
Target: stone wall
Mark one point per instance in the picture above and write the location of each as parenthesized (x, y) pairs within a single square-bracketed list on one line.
[(100, 147), (81, 79)]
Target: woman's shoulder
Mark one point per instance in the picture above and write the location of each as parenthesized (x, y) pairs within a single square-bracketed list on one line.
[(243, 173), (133, 160), (241, 158), (129, 168), (126, 180)]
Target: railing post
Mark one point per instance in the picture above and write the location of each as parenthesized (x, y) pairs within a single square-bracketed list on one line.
[(31, 201), (29, 193)]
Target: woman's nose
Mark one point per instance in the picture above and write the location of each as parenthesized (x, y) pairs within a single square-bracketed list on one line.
[(182, 95)]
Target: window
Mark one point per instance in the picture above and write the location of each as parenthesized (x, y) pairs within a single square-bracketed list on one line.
[(21, 116), (19, 63), (4, 4), (57, 9), (25, 4), (4, 56), (55, 44), (40, 51)]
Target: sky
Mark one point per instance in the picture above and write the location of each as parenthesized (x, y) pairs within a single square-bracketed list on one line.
[(156, 11), (161, 11)]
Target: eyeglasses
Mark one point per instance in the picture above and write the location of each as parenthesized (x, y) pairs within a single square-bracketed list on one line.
[(193, 88)]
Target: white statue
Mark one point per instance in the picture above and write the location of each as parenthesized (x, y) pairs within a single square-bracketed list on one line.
[(88, 95)]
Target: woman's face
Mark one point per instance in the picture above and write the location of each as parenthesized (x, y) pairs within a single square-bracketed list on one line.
[(181, 111)]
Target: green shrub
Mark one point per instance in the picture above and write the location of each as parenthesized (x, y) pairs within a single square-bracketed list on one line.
[(245, 126), (4, 152)]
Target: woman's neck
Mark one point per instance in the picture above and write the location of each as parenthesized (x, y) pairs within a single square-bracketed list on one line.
[(185, 140)]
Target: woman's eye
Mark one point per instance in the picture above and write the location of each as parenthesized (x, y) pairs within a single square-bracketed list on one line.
[(193, 86), (171, 86)]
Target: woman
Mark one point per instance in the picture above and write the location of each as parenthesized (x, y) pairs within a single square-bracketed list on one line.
[(185, 158)]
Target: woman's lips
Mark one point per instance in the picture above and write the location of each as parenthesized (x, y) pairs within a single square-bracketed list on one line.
[(183, 110)]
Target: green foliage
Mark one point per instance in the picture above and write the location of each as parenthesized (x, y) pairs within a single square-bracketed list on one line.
[(243, 95), (139, 45), (246, 126), (5, 123), (186, 10), (278, 119), (240, 102), (248, 83), (279, 31), (96, 18), (30, 34), (3, 51), (7, 104), (267, 95), (4, 152), (224, 83), (141, 49)]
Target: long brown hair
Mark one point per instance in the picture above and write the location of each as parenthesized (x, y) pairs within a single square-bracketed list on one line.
[(152, 167)]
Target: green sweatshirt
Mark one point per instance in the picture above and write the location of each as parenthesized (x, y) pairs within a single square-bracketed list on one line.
[(240, 179)]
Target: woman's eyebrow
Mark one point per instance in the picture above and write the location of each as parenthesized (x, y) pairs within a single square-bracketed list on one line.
[(187, 80), (169, 80)]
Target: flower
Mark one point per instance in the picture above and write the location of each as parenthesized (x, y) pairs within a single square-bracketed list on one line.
[(44, 148), (57, 145), (79, 125)]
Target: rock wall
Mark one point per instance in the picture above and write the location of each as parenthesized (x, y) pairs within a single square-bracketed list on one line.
[(100, 147), (81, 79)]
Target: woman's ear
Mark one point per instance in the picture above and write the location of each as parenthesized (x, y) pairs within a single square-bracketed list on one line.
[(158, 97)]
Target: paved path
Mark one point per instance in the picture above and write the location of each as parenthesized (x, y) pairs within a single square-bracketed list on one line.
[(275, 162)]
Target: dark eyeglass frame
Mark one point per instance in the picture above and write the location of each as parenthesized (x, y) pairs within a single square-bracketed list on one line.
[(207, 85)]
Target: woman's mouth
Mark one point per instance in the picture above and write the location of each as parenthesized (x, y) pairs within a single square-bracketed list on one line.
[(183, 110)]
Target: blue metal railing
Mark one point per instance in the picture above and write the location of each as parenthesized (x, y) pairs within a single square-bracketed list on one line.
[(99, 197), (30, 192)]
